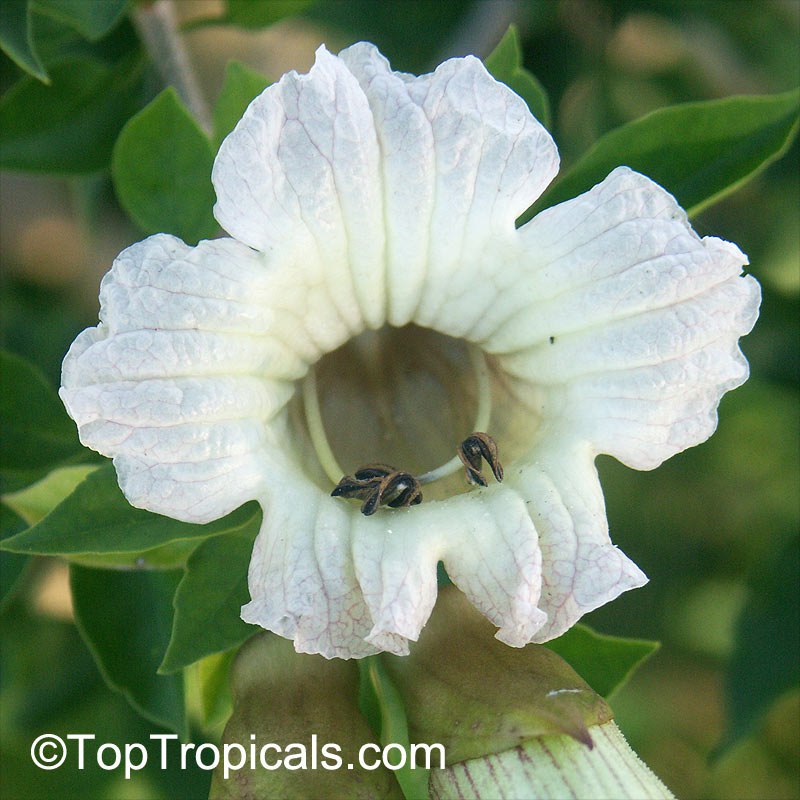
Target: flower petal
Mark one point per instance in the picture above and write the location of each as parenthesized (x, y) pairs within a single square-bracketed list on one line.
[(382, 184), (166, 383), (626, 319), (462, 158), (302, 578), (495, 558), (345, 585), (581, 569), (301, 172), (489, 548)]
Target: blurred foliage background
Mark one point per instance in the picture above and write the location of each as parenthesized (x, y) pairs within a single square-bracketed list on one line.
[(716, 712)]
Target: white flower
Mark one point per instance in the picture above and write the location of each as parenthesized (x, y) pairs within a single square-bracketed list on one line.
[(361, 200)]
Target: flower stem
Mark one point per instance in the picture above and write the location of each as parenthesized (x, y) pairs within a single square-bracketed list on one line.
[(158, 29)]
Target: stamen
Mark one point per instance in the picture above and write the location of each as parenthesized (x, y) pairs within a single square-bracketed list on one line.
[(316, 428), (475, 449), (380, 484), (319, 439), (482, 415)]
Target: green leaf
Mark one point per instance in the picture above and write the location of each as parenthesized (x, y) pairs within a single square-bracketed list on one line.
[(16, 38), (505, 65), (384, 703), (172, 555), (49, 682), (298, 703), (35, 432), (700, 152), (208, 600), (248, 14), (71, 125), (96, 518), (764, 664), (476, 696), (161, 168), (213, 676), (125, 619), (241, 85), (11, 564), (92, 19), (35, 502), (604, 662)]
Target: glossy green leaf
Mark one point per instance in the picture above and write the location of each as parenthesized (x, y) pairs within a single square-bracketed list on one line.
[(382, 705), (16, 37), (241, 85), (162, 171), (69, 126), (699, 152), (36, 434), (92, 19), (764, 664), (36, 501), (505, 64), (248, 14), (209, 599), (464, 689), (604, 662), (96, 518), (125, 618), (172, 555), (298, 703), (11, 564)]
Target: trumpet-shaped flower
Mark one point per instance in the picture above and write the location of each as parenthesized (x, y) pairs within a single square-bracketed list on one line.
[(376, 302)]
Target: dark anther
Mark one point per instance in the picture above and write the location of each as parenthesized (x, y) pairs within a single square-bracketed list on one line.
[(351, 487), (404, 489), (475, 447), (380, 484), (372, 471)]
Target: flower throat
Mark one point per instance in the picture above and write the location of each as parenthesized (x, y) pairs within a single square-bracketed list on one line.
[(406, 397)]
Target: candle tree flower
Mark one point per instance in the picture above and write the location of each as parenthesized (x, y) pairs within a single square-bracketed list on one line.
[(375, 302)]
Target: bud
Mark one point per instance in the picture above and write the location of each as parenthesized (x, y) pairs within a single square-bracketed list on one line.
[(554, 767), (514, 722)]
